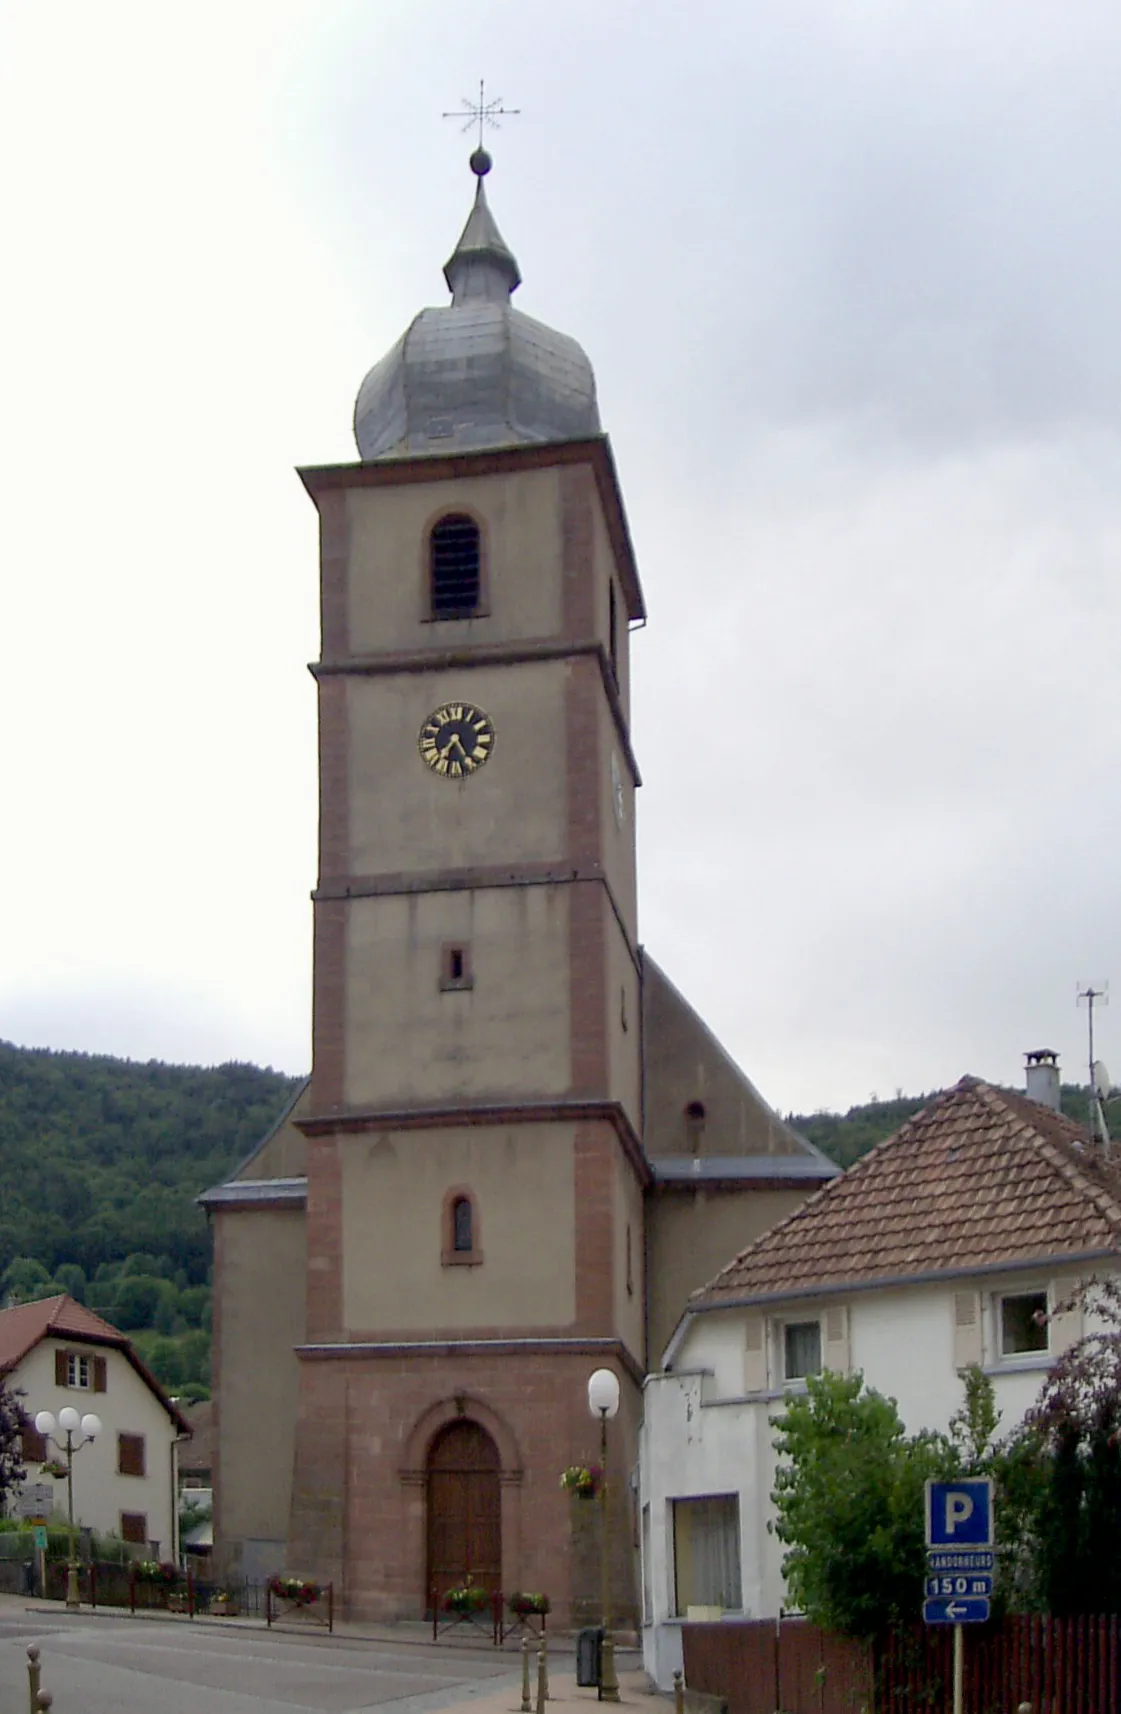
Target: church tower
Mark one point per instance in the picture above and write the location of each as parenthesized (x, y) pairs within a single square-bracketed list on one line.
[(475, 1172), (519, 1149)]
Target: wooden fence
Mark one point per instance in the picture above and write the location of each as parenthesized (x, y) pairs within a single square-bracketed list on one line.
[(1058, 1666)]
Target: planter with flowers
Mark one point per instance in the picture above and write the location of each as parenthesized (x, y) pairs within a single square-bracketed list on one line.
[(222, 1605), (528, 1610), (56, 1468), (467, 1603), (582, 1480), (299, 1597)]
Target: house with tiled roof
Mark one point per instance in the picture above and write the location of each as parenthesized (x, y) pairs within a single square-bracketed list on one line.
[(958, 1240), (55, 1352)]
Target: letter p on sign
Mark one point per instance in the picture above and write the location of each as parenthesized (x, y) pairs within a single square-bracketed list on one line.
[(960, 1514)]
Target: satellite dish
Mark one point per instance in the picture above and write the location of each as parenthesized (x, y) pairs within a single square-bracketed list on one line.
[(1103, 1088)]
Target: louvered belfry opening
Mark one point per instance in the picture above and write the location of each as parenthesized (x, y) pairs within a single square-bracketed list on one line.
[(454, 567)]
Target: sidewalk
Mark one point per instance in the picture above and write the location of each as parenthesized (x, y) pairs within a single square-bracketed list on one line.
[(564, 1695)]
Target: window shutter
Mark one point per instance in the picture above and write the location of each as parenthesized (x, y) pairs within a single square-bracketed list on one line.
[(99, 1374), (754, 1354), (33, 1446), (134, 1527), (1065, 1329), (967, 1328), (60, 1368), (837, 1338), (130, 1455)]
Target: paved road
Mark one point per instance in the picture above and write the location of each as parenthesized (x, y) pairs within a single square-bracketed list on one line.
[(135, 1666)]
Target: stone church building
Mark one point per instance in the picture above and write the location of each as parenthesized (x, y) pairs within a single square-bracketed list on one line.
[(519, 1149)]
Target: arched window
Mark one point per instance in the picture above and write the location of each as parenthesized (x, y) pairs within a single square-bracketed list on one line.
[(459, 1238), (454, 567), (463, 1239)]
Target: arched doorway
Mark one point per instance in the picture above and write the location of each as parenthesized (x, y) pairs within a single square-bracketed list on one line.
[(464, 1509)]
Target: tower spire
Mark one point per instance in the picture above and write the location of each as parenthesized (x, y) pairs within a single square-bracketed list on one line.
[(482, 265)]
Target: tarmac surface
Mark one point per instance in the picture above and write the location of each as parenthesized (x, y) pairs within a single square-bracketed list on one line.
[(111, 1662)]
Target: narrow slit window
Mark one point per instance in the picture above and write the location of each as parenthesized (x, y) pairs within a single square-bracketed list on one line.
[(463, 1226), (455, 966), (454, 567)]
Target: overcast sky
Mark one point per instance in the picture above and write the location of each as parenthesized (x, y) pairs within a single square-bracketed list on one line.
[(849, 276)]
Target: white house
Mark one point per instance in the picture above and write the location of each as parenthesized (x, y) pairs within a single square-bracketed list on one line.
[(57, 1353), (937, 1250)]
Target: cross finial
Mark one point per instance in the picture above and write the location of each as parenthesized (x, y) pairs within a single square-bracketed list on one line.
[(482, 112)]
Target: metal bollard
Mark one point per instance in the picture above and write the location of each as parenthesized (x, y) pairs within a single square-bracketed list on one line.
[(525, 1676), (1024, 1708), (541, 1681), (34, 1675), (545, 1660), (43, 1701), (679, 1693)]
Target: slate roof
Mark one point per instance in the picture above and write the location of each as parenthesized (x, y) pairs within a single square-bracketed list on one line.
[(979, 1179), (62, 1317)]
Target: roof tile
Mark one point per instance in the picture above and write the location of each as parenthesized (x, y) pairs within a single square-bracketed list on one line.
[(978, 1178)]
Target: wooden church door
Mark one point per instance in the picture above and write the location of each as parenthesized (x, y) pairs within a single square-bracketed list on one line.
[(464, 1510)]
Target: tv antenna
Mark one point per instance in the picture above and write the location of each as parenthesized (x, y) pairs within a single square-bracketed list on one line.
[(1089, 995)]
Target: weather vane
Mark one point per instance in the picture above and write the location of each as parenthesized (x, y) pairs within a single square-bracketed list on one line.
[(482, 112)]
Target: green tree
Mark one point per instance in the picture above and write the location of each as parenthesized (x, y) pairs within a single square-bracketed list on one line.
[(137, 1300), (849, 1497), (12, 1471), (25, 1279), (1077, 1422)]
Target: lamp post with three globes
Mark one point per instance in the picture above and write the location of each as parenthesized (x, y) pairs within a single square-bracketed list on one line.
[(70, 1424)]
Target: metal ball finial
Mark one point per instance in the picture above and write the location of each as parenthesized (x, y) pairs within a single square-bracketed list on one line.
[(481, 163)]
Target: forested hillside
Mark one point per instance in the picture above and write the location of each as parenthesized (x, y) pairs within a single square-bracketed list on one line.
[(844, 1137), (100, 1162)]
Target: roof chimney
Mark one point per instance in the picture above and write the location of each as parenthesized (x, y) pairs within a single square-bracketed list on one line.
[(1042, 1075)]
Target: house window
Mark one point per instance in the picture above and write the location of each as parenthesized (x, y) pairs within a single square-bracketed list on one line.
[(134, 1527), (801, 1350), (130, 1455), (75, 1369), (706, 1553), (454, 567), (460, 1243), (1023, 1323)]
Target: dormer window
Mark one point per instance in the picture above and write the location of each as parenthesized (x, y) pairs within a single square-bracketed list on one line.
[(454, 567)]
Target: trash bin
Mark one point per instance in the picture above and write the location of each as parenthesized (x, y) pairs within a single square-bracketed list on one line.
[(29, 1577), (589, 1656)]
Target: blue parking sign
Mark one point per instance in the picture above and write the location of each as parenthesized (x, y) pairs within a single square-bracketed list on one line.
[(960, 1514)]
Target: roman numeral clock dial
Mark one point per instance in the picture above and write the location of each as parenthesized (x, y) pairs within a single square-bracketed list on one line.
[(456, 740)]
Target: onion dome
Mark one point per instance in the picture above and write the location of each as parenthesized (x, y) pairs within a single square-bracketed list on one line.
[(476, 373)]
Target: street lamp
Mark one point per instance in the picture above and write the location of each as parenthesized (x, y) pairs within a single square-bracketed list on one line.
[(603, 1401), (70, 1424)]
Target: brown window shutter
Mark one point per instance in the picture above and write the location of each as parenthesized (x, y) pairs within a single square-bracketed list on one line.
[(99, 1374), (60, 1368), (33, 1446), (130, 1455), (134, 1527)]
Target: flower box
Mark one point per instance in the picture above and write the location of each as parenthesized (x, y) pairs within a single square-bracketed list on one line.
[(583, 1480), (300, 1590), (467, 1598), (523, 1604)]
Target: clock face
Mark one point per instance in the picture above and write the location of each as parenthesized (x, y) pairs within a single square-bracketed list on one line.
[(456, 740)]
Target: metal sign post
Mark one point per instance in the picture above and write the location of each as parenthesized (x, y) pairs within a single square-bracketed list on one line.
[(959, 1561)]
